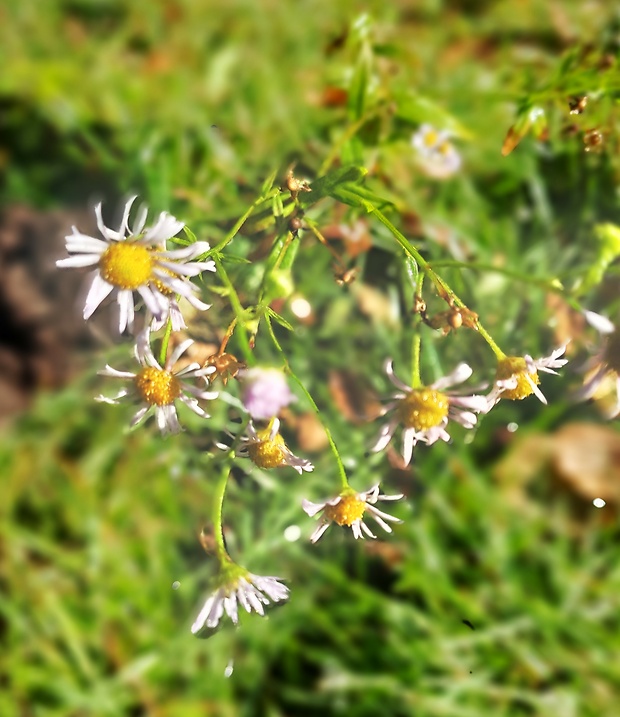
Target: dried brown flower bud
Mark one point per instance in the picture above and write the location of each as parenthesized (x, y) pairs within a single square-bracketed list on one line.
[(577, 104), (227, 366)]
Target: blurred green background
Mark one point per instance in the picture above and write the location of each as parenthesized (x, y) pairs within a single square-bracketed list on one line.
[(192, 104)]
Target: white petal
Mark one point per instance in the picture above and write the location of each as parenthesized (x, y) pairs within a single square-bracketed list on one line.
[(126, 310), (99, 290), (139, 415), (113, 373), (318, 531), (601, 323), (409, 442), (389, 370), (124, 228), (178, 352), (461, 373), (78, 261), (108, 233), (311, 508)]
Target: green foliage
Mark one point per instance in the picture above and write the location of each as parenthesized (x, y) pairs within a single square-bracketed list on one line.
[(204, 108)]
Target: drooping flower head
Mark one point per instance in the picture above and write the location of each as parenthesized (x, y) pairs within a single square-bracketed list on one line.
[(237, 586), (517, 377), (266, 448), (136, 260), (603, 369), (265, 392), (436, 154), (158, 388), (348, 508), (424, 412)]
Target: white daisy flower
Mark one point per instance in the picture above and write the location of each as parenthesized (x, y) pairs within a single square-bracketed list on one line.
[(436, 155), (424, 412), (266, 448), (603, 369), (517, 376), (348, 509), (136, 260), (253, 592), (159, 388)]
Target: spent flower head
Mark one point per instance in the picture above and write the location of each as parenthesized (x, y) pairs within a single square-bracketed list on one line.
[(517, 377), (136, 260), (424, 412), (436, 154), (158, 388), (265, 392), (348, 508), (266, 448), (603, 368), (236, 585)]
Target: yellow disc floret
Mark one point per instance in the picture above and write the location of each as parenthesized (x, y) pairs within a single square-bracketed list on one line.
[(423, 408), (346, 511), (127, 265), (268, 452), (157, 387), (430, 138), (515, 367)]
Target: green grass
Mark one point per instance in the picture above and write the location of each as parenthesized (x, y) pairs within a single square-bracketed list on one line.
[(194, 105)]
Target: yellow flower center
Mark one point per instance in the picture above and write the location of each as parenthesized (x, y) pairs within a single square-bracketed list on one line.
[(612, 351), (430, 138), (157, 387), (444, 148), (346, 511), (127, 265), (423, 408), (268, 453), (515, 367)]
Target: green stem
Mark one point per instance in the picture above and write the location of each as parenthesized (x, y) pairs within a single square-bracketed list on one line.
[(442, 286), (165, 340), (416, 381), (216, 517), (214, 251), (341, 469), (348, 134), (238, 309)]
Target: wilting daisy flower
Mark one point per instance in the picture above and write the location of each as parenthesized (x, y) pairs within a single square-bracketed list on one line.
[(603, 369), (517, 376), (266, 448), (136, 260), (158, 388), (424, 412), (253, 592), (437, 156), (265, 392), (348, 509)]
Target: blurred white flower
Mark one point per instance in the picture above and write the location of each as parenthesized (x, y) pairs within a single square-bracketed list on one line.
[(436, 155), (348, 509), (603, 369), (253, 592), (266, 448), (265, 392), (159, 388), (424, 412), (137, 260)]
